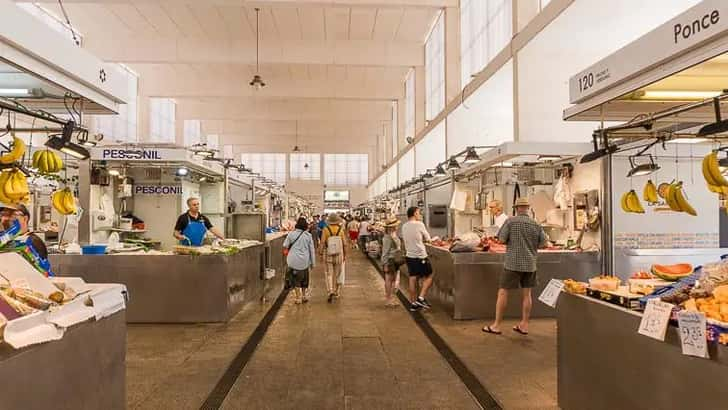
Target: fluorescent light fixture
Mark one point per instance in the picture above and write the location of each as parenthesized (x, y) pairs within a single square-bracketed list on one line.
[(601, 152), (471, 157), (452, 164), (88, 143), (642, 169), (440, 171), (428, 174), (63, 143), (203, 179), (15, 92), (182, 171), (114, 172), (696, 140), (675, 95), (204, 154), (549, 157)]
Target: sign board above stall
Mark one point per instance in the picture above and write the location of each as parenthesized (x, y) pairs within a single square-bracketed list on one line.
[(145, 154), (699, 24), (157, 189)]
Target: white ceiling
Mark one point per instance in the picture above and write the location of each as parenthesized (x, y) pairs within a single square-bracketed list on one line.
[(335, 63)]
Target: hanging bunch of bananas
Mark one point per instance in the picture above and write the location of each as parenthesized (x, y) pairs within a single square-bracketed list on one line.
[(631, 203), (14, 187), (15, 154), (47, 162), (676, 199), (717, 183), (63, 201), (649, 193)]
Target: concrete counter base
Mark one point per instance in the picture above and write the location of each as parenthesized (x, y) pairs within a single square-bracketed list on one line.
[(603, 363), (176, 288), (86, 369)]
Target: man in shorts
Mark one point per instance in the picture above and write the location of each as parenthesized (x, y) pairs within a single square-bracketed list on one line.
[(415, 235), (522, 236)]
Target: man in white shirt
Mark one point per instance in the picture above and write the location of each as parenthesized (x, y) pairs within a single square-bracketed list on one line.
[(496, 209), (364, 233), (415, 235)]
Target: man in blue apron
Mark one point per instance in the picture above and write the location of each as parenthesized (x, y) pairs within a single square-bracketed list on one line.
[(192, 226)]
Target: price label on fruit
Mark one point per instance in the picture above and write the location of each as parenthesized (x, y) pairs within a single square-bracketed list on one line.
[(551, 292), (655, 319), (692, 333)]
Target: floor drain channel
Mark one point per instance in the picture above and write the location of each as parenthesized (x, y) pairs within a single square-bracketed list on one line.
[(479, 392), (226, 382)]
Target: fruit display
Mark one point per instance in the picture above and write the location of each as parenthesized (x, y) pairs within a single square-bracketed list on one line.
[(677, 200), (630, 202), (649, 193), (717, 183), (604, 282), (14, 187), (641, 275), (662, 190), (575, 287), (672, 272), (15, 154), (64, 202), (47, 162)]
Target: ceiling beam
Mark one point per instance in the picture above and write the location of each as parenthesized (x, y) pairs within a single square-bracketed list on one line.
[(305, 130), (156, 49), (289, 3)]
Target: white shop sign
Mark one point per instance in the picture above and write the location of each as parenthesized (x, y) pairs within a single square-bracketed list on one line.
[(158, 190), (703, 22), (137, 154)]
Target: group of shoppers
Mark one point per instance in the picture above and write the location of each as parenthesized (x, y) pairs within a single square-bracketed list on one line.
[(521, 234)]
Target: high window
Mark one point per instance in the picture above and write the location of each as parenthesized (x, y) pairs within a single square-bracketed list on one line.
[(409, 105), (192, 132), (122, 128), (486, 27), (306, 166), (435, 69), (269, 165), (346, 169), (161, 120), (395, 130)]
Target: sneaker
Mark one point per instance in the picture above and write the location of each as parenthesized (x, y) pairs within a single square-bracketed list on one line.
[(425, 304), (415, 306)]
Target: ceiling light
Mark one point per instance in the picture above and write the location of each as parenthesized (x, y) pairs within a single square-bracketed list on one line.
[(452, 164), (506, 164), (63, 143), (296, 149), (15, 92), (675, 95), (642, 169), (205, 154), (601, 152), (114, 172), (440, 171), (549, 157), (203, 179), (257, 81), (428, 174), (83, 140), (695, 140), (182, 171), (718, 126), (471, 157)]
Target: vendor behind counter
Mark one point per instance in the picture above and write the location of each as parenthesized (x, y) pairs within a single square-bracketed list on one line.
[(192, 226)]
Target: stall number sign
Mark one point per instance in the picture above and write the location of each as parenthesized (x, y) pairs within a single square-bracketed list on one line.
[(655, 319), (692, 333), (157, 190), (551, 292)]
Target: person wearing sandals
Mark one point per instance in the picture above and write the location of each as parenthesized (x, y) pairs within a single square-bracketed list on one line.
[(333, 250), (522, 236), (301, 258), (392, 259)]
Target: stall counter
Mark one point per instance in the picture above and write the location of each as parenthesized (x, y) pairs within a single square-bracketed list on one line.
[(466, 284), (274, 252), (176, 288), (603, 363)]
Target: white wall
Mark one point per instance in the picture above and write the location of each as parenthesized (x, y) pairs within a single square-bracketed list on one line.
[(406, 167), (430, 150), (584, 33)]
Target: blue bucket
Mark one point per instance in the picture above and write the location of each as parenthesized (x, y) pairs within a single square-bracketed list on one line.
[(93, 249)]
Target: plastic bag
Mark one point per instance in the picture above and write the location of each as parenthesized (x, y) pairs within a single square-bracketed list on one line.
[(465, 246)]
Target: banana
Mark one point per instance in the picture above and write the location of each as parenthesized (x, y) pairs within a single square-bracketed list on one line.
[(715, 189), (36, 159), (671, 201), (46, 165), (710, 163), (15, 153), (16, 186), (681, 201), (3, 179), (69, 201), (58, 203), (633, 201), (58, 162), (623, 202), (649, 193)]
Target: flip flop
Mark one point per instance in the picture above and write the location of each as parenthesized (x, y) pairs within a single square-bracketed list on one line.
[(519, 330), (487, 329)]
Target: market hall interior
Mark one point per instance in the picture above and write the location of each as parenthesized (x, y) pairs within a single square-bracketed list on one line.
[(431, 204)]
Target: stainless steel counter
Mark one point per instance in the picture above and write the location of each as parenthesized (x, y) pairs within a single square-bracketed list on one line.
[(466, 284), (176, 288), (85, 370), (274, 258), (603, 363)]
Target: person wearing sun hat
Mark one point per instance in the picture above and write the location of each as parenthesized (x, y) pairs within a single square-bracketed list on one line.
[(522, 236), (333, 239), (392, 258)]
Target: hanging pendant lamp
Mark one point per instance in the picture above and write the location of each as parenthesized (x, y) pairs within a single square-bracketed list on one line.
[(257, 81)]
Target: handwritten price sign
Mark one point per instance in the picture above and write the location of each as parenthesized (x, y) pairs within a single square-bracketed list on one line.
[(692, 333), (551, 292), (655, 319)]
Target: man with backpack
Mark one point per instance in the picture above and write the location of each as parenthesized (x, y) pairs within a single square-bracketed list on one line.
[(332, 248)]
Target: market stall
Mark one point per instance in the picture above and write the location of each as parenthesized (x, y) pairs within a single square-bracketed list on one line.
[(664, 288)]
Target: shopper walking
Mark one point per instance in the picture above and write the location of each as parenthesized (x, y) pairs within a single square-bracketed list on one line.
[(301, 259), (313, 229), (334, 252), (392, 259), (353, 229), (415, 235), (522, 236), (364, 233)]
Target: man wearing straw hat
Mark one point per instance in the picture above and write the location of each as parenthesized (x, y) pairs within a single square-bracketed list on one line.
[(334, 251), (522, 236)]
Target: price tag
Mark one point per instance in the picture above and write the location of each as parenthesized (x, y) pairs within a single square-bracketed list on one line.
[(551, 292), (692, 333), (655, 319)]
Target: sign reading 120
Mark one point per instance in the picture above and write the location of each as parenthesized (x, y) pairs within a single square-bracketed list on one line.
[(586, 82)]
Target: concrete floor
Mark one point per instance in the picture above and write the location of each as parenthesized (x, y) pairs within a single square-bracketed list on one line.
[(354, 353)]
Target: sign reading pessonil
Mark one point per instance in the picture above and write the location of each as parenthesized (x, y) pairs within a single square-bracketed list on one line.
[(157, 189), (137, 154)]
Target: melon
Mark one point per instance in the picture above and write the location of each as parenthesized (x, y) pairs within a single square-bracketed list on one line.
[(672, 272)]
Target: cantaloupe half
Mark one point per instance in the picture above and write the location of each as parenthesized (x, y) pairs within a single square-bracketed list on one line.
[(672, 272)]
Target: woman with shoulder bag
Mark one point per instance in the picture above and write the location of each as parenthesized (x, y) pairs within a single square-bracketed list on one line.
[(392, 259), (301, 258)]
